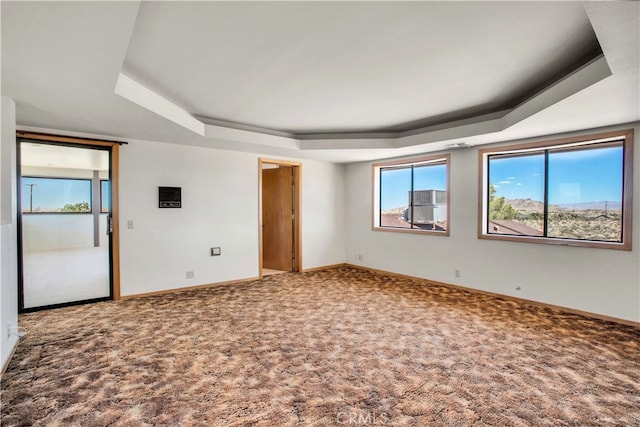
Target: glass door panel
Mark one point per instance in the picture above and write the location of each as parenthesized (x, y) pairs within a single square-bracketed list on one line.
[(64, 225)]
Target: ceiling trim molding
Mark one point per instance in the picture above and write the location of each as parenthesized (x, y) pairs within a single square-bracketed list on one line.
[(250, 128), (139, 94), (251, 137), (570, 84), (583, 77), (590, 73)]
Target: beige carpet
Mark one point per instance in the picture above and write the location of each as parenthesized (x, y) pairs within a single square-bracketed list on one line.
[(330, 348)]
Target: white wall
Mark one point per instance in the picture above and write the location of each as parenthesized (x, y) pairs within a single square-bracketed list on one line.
[(323, 214), (219, 208), (57, 231), (61, 172), (8, 236), (61, 231), (601, 281)]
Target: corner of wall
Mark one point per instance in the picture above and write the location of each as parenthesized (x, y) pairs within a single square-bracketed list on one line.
[(8, 233)]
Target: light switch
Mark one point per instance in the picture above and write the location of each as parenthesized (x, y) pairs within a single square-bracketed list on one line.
[(130, 224), (215, 251)]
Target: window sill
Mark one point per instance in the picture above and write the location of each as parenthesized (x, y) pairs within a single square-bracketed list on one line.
[(411, 231), (558, 242)]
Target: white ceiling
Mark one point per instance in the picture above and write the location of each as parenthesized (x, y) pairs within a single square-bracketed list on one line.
[(345, 67), (58, 157), (336, 81)]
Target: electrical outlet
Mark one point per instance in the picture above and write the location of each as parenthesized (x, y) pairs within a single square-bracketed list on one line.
[(216, 251), (518, 287), (359, 257), (189, 274), (456, 272), (9, 330), (130, 224)]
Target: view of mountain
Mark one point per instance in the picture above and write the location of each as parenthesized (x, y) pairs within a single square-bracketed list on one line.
[(529, 205), (602, 205)]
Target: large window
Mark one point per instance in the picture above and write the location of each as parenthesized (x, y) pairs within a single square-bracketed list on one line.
[(56, 195), (412, 196), (574, 191)]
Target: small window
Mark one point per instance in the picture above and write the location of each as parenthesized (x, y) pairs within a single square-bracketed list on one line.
[(412, 196), (105, 196), (55, 195), (574, 192)]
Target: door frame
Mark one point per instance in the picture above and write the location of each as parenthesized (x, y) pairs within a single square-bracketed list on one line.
[(297, 204), (114, 147)]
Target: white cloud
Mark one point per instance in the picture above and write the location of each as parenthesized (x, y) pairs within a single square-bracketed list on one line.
[(511, 177), (519, 184), (504, 182)]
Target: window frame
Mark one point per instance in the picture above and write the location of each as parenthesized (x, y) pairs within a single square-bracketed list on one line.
[(416, 161), (90, 211), (570, 143)]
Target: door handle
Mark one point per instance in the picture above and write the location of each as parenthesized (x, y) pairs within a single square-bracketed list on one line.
[(109, 224)]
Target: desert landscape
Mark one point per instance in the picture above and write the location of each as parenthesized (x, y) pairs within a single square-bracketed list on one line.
[(600, 221), (590, 221)]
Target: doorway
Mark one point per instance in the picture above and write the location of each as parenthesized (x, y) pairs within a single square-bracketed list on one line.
[(67, 201), (280, 249)]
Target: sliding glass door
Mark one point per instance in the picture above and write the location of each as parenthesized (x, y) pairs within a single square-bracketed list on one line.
[(65, 211)]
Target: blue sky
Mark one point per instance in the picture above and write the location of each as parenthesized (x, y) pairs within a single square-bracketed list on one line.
[(52, 194), (396, 183), (574, 176)]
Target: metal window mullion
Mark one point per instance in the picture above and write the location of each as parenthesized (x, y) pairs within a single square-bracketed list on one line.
[(622, 200), (545, 228), (380, 197), (488, 200), (411, 198)]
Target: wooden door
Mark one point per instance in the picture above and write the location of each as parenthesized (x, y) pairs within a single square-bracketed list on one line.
[(277, 218)]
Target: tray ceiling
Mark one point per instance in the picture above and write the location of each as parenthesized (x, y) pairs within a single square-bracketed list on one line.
[(337, 81)]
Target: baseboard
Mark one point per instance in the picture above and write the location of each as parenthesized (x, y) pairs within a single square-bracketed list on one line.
[(506, 297), (11, 353), (230, 282), (406, 276), (324, 267), (187, 288)]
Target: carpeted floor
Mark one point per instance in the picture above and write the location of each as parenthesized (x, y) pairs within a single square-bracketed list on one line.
[(337, 347)]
